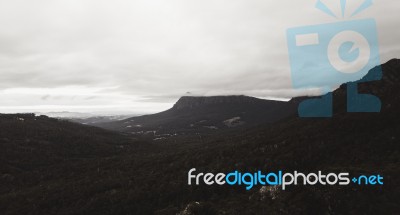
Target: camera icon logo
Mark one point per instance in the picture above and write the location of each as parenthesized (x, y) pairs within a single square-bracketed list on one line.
[(328, 55)]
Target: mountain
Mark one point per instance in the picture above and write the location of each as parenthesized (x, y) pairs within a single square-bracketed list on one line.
[(50, 166), (206, 114), (385, 89), (191, 115)]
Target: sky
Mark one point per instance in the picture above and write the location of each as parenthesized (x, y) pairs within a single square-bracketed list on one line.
[(140, 56)]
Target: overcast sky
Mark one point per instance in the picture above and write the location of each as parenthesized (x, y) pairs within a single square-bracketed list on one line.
[(140, 56)]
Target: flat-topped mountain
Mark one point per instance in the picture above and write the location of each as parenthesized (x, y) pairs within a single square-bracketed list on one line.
[(197, 101), (204, 114)]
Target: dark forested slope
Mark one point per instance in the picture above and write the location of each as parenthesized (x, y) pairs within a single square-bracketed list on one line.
[(114, 174)]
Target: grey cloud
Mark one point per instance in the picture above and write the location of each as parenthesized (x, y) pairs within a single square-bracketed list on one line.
[(156, 51)]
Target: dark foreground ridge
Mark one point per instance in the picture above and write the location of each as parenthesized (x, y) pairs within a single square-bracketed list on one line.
[(51, 166)]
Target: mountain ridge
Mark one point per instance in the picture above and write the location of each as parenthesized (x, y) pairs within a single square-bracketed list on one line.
[(207, 114)]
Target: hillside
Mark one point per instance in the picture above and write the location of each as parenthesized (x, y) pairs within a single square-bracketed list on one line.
[(28, 135), (32, 144)]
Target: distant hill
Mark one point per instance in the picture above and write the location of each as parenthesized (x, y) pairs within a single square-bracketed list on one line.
[(206, 114), (65, 114), (96, 119), (85, 118)]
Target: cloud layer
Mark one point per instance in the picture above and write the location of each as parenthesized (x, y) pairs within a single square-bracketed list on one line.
[(141, 56)]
